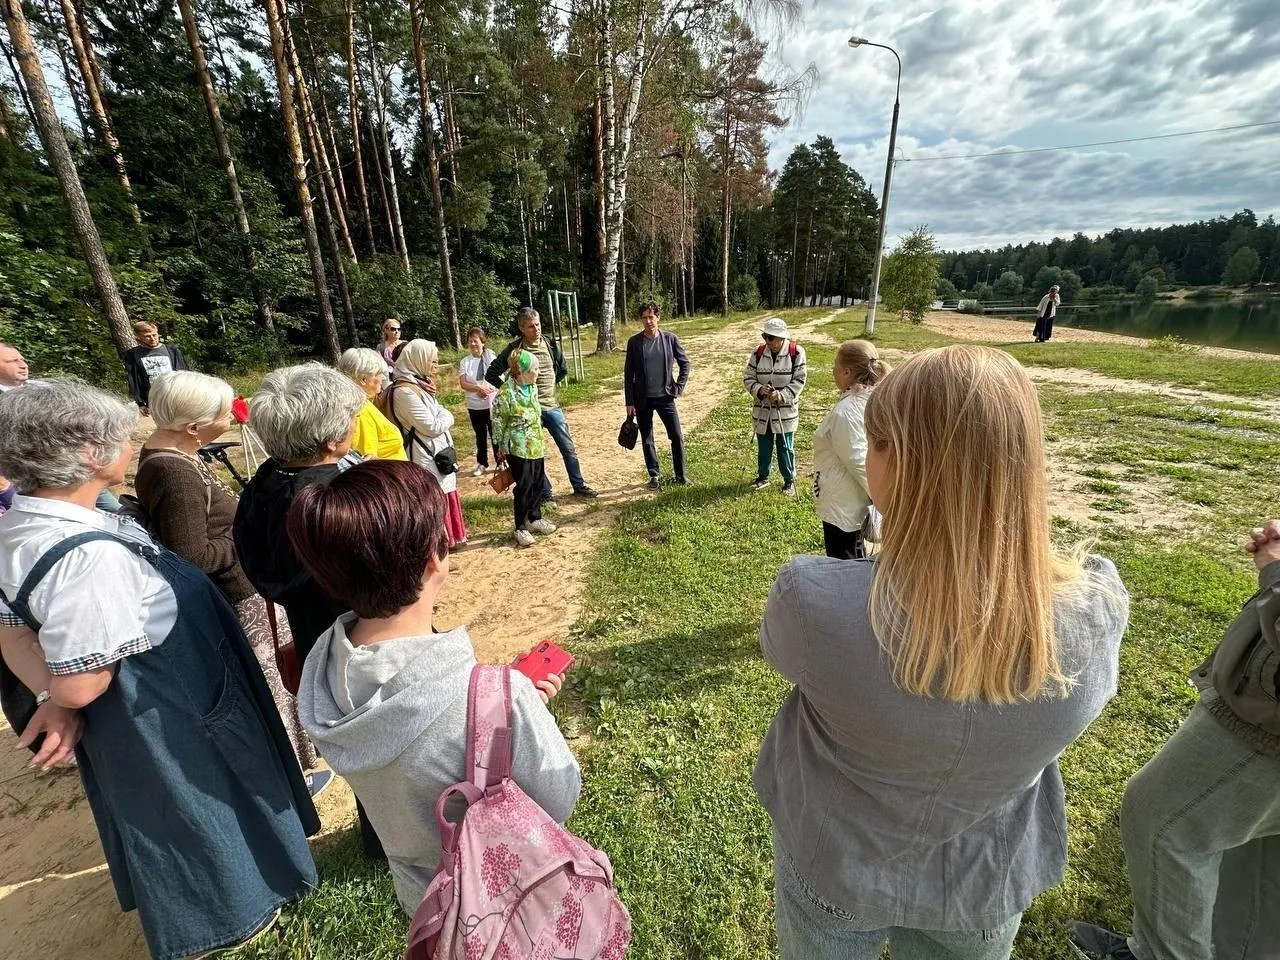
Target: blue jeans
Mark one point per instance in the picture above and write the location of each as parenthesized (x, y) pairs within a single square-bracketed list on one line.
[(1201, 828), (809, 928), (786, 444), (558, 427)]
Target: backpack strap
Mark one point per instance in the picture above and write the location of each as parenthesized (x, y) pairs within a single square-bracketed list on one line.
[(760, 351), (489, 726), (20, 604), (792, 349)]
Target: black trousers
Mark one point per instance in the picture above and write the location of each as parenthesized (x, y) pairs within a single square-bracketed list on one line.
[(482, 424), (665, 408), (1044, 328), (842, 545), (528, 475)]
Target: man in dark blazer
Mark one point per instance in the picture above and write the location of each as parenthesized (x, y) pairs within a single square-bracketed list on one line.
[(651, 388)]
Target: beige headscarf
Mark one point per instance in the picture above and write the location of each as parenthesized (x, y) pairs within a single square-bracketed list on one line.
[(415, 359)]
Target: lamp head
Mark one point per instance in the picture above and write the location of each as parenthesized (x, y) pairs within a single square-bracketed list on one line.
[(856, 41)]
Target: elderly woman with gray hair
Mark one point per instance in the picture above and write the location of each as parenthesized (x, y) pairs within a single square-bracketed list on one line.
[(190, 510), (131, 655), (425, 422), (376, 437)]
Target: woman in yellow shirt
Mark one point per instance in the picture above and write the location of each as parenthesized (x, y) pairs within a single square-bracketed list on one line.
[(376, 437)]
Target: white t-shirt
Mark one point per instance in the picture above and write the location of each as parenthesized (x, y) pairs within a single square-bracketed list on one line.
[(100, 602), (473, 368)]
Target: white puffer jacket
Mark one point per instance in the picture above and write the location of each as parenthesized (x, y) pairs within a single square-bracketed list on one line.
[(840, 462)]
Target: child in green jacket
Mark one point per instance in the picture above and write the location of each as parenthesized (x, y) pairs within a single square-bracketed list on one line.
[(517, 432)]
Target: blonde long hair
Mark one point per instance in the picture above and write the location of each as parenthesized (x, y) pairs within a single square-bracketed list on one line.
[(962, 602)]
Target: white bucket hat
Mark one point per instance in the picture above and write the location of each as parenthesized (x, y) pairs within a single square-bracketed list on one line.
[(775, 327)]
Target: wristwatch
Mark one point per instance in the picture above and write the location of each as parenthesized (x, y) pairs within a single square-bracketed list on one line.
[(42, 697)]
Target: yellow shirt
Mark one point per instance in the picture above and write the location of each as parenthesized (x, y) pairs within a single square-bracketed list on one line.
[(377, 437)]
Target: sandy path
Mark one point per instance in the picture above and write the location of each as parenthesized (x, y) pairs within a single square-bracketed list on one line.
[(56, 898)]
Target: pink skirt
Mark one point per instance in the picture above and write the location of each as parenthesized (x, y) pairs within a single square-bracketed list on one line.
[(453, 521)]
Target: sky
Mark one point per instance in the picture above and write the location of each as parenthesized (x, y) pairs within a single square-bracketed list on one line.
[(981, 76)]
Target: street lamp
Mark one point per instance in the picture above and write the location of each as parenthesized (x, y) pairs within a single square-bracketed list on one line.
[(888, 178)]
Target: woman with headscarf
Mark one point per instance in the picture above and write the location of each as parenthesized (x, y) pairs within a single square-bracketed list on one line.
[(425, 423), (1046, 311), (200, 806)]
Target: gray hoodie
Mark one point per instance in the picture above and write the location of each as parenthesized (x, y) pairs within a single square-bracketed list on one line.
[(391, 719)]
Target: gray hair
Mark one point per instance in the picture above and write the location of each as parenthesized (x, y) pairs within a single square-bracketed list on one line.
[(56, 434), (360, 362), (184, 397), (297, 411), (527, 313)]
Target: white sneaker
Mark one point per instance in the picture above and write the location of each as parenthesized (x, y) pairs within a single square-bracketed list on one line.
[(478, 471), (524, 538), (540, 526)]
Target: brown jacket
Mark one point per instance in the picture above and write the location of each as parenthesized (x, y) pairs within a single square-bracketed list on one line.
[(192, 517)]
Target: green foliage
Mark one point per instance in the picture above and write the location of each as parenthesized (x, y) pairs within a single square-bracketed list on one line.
[(946, 290), (1242, 268), (1068, 281), (482, 300), (1008, 285), (1147, 287), (910, 275), (1171, 344), (743, 293), (380, 288)]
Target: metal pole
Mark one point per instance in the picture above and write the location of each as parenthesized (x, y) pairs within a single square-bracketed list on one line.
[(884, 200)]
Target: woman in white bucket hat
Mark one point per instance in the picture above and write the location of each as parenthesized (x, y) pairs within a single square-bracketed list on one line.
[(775, 377)]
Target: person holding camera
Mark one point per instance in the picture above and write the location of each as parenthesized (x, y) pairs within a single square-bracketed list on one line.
[(649, 387), (1201, 821)]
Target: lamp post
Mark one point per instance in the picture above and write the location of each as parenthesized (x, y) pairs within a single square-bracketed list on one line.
[(888, 178)]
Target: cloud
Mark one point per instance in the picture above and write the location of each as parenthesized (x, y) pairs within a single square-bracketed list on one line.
[(981, 76)]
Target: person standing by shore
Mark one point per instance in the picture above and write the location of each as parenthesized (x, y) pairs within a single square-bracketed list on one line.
[(650, 388), (1045, 314)]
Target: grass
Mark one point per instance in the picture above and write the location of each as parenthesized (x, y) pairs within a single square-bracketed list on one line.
[(673, 697)]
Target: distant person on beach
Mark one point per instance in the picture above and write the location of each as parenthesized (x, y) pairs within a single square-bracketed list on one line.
[(650, 387), (149, 360), (1045, 314)]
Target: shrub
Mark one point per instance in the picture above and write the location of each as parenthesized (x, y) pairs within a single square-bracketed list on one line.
[(1171, 343), (743, 293)]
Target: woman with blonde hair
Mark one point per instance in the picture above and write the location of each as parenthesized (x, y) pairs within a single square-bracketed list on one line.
[(840, 451), (912, 774), (425, 423), (190, 510), (376, 437), (390, 340)]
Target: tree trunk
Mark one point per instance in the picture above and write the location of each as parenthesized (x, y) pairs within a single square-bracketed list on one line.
[(397, 224), (726, 202), (73, 85), (59, 157), (433, 170), (353, 110), (224, 156), (597, 160), (319, 152), (328, 330), (808, 250), (82, 44), (328, 139), (19, 84)]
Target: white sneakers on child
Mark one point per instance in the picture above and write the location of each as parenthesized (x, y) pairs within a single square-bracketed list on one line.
[(524, 538), (540, 526)]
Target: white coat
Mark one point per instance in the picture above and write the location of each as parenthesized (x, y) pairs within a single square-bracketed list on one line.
[(840, 462)]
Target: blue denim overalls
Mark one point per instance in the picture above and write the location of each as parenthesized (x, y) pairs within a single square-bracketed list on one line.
[(200, 805)]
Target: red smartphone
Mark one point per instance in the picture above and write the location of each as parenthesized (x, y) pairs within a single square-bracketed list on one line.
[(544, 660)]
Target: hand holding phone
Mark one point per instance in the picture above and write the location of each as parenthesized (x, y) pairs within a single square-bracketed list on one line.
[(544, 661)]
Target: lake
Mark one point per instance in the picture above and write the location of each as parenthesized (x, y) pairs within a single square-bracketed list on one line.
[(1242, 324)]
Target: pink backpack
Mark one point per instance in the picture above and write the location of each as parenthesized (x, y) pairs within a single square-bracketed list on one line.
[(513, 883)]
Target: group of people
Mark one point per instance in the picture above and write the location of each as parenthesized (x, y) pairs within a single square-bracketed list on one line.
[(911, 776)]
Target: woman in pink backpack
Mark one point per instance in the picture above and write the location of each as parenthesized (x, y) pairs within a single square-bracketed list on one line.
[(383, 696)]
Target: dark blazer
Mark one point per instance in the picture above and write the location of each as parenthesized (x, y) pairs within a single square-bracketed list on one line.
[(633, 371), (497, 371), (136, 373)]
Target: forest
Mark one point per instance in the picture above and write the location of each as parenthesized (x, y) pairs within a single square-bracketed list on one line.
[(273, 178), (277, 177)]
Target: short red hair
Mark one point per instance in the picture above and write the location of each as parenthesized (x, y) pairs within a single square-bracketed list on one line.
[(368, 534)]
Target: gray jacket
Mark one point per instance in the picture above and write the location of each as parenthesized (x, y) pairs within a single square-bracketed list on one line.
[(786, 374), (391, 719), (909, 811), (1240, 682)]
